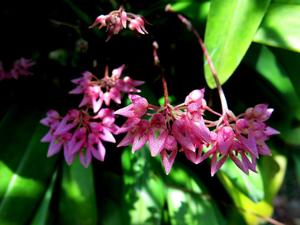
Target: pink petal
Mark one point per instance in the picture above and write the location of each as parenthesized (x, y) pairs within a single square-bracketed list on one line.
[(269, 131), (168, 160), (138, 142), (263, 149), (216, 164), (128, 125), (156, 144), (107, 136), (127, 140), (127, 111), (69, 157), (182, 135), (240, 164), (225, 139), (48, 137), (85, 159), (54, 147), (116, 73)]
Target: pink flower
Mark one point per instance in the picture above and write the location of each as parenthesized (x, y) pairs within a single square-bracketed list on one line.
[(98, 91), (168, 127), (158, 134), (137, 136), (137, 109), (116, 20), (78, 133)]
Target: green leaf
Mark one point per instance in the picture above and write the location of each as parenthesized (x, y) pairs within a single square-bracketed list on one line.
[(78, 201), (144, 190), (250, 185), (188, 201), (42, 215), (273, 171), (191, 8), (280, 27), (253, 213), (24, 169), (278, 71), (110, 195), (265, 62), (231, 25)]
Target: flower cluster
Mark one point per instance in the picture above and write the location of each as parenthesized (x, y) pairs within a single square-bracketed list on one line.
[(83, 131), (96, 91), (20, 68), (116, 20), (182, 128)]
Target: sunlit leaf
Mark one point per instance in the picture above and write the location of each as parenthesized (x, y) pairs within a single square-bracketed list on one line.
[(280, 27), (230, 28), (188, 201), (254, 213), (273, 171), (144, 190), (250, 185), (78, 201), (24, 169)]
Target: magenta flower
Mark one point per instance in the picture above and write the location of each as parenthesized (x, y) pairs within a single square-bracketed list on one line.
[(78, 133), (170, 128), (96, 92), (116, 20), (242, 140)]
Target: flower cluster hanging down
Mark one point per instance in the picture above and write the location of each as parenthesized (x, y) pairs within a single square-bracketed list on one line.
[(82, 131), (116, 20), (182, 128)]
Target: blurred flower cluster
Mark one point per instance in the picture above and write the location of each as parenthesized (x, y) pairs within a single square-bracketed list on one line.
[(20, 68)]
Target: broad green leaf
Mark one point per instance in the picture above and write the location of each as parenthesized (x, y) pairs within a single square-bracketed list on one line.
[(250, 185), (144, 190), (253, 213), (280, 27), (231, 25), (42, 215), (188, 201), (78, 201), (273, 171), (24, 169), (290, 62)]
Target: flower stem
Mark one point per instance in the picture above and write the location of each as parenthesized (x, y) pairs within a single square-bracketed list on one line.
[(163, 79), (106, 73), (190, 27)]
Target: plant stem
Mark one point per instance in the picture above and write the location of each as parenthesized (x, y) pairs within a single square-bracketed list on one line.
[(163, 79), (190, 27)]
